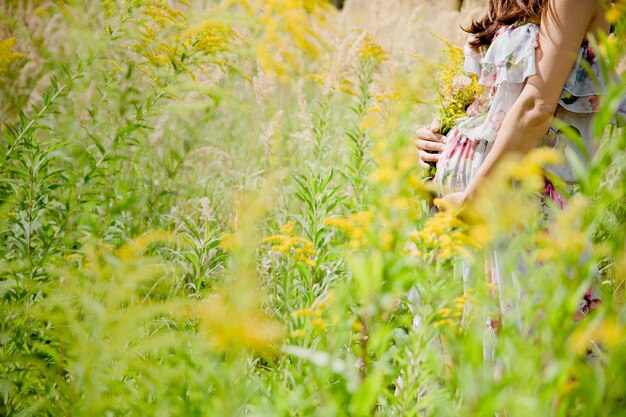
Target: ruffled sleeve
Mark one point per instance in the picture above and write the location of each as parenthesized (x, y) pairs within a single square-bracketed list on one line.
[(472, 59), (511, 56), (503, 69), (584, 84)]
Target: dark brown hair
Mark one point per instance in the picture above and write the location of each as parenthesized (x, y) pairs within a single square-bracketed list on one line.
[(502, 13)]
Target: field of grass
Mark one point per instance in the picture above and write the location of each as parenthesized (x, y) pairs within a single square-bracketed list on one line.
[(214, 208)]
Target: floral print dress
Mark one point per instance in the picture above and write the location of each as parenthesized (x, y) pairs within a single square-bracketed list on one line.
[(503, 69)]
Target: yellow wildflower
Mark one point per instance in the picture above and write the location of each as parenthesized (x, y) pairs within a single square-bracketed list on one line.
[(229, 241), (607, 332), (459, 302), (285, 242), (287, 29), (319, 324), (326, 301), (318, 78), (306, 251), (288, 228), (387, 240), (315, 315), (442, 322), (384, 175), (73, 257), (382, 97), (347, 90), (451, 315), (615, 12), (443, 233), (455, 90), (308, 261), (371, 50), (565, 236), (338, 222), (543, 156), (210, 38), (298, 333), (7, 56), (363, 217), (303, 312), (140, 243), (228, 324), (355, 226)]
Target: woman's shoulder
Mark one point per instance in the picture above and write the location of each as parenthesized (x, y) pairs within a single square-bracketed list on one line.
[(510, 56), (512, 44), (508, 36)]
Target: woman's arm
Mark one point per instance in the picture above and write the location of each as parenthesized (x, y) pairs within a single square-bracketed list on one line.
[(564, 25)]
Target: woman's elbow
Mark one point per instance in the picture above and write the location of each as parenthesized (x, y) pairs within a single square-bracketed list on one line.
[(538, 111)]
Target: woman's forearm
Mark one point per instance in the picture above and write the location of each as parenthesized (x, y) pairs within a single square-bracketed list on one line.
[(523, 127)]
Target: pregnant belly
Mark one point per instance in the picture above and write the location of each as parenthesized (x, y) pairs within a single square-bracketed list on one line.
[(460, 160)]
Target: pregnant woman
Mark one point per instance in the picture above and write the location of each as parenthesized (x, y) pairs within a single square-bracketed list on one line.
[(532, 56)]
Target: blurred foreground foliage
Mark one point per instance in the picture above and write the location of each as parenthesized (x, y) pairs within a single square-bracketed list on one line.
[(214, 208)]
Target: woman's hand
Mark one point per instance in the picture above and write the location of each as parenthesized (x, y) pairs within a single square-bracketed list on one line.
[(452, 201), (429, 144)]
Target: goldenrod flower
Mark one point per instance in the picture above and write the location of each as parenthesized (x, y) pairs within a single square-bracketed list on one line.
[(229, 241), (607, 332), (288, 228), (442, 322), (455, 90), (73, 257), (355, 226), (382, 97), (303, 312), (445, 234), (615, 11), (565, 237), (348, 90), (7, 56), (371, 50), (227, 324), (319, 324), (326, 301), (297, 333), (285, 242), (140, 243), (315, 315), (320, 79)]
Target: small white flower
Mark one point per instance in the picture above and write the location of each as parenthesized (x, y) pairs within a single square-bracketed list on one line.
[(274, 127), (205, 207), (263, 85), (461, 81)]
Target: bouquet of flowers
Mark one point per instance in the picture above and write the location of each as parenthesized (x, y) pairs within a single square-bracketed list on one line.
[(455, 89)]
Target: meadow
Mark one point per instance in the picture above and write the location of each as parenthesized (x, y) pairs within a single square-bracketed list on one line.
[(215, 208)]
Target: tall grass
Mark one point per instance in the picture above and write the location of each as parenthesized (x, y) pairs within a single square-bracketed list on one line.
[(214, 208)]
